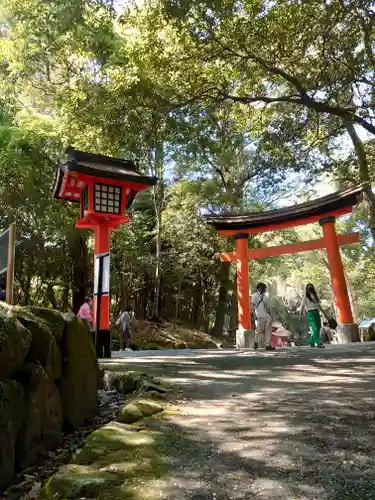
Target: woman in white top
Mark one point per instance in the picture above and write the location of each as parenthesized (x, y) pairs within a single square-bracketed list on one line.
[(311, 304)]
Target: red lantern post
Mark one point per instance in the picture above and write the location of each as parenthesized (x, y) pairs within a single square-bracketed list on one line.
[(105, 187)]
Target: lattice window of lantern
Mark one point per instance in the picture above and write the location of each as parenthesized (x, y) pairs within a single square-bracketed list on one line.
[(85, 201), (107, 199)]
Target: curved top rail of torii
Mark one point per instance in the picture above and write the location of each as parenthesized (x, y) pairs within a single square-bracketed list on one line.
[(332, 205)]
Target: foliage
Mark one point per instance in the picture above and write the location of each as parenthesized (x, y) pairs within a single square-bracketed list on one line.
[(235, 106)]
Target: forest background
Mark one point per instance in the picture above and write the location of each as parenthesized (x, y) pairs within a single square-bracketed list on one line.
[(234, 105)]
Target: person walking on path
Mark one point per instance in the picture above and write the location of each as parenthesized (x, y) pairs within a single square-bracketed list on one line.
[(311, 304), (85, 312), (263, 318), (125, 323)]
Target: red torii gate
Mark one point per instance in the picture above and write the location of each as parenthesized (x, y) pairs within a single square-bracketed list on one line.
[(324, 210)]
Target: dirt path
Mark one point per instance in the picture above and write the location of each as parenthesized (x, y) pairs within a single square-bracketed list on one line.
[(297, 424)]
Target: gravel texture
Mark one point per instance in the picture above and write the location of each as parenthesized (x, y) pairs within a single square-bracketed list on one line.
[(293, 424)]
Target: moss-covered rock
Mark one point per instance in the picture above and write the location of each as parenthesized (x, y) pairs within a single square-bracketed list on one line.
[(137, 409), (78, 481), (149, 384), (43, 348), (123, 382), (54, 319), (116, 463), (42, 424), (157, 395), (80, 373), (15, 341), (163, 335), (11, 414), (53, 422), (199, 344), (180, 345)]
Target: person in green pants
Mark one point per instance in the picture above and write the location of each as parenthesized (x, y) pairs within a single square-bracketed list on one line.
[(311, 304)]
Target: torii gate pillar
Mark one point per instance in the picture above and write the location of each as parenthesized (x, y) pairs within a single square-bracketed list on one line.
[(348, 330), (244, 335)]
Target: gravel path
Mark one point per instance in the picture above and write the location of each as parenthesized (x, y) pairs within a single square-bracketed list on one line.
[(295, 424)]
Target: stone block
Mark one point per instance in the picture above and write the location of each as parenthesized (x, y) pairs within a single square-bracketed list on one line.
[(244, 339)]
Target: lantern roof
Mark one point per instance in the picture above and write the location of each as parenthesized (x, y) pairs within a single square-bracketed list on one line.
[(338, 203), (85, 165)]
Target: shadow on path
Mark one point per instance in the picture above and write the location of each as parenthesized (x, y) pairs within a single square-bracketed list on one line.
[(287, 425)]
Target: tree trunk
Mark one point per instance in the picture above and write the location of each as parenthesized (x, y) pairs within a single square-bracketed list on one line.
[(177, 304), (27, 290), (364, 172), (65, 299), (155, 310), (80, 271), (196, 305), (204, 303), (234, 310), (158, 203), (51, 295), (124, 289), (222, 300)]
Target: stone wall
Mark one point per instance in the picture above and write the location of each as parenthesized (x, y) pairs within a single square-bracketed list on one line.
[(48, 381)]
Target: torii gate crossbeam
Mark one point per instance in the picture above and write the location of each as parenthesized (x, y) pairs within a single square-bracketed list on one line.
[(301, 246)]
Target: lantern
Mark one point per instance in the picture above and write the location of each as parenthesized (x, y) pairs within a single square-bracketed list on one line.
[(105, 187)]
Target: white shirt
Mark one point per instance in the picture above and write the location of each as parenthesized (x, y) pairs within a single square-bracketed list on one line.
[(310, 305), (260, 305)]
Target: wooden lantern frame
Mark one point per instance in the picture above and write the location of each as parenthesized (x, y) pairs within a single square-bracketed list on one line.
[(77, 178)]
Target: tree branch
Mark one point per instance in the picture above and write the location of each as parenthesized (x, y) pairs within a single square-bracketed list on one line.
[(304, 98), (219, 171), (344, 113)]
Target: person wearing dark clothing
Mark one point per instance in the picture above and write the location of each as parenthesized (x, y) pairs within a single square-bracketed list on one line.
[(125, 323)]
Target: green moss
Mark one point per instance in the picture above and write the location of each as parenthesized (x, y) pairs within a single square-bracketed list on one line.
[(15, 341), (88, 483), (124, 382), (42, 426), (180, 345), (79, 381), (11, 401), (137, 409), (3, 396), (129, 381), (151, 335), (43, 346), (116, 463), (156, 395), (11, 416), (54, 319), (114, 440)]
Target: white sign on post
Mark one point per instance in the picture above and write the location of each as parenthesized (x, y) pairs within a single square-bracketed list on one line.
[(104, 258), (96, 274), (105, 275)]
